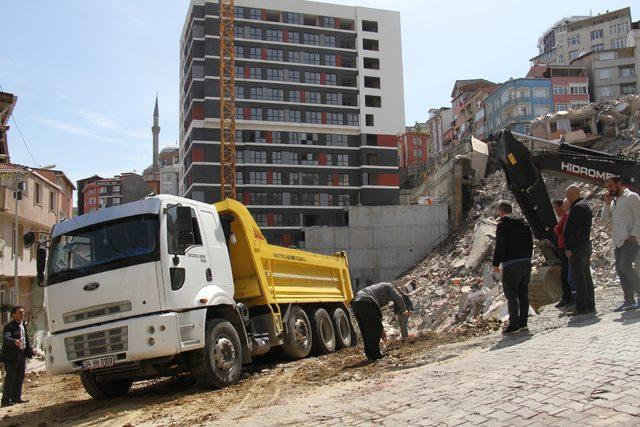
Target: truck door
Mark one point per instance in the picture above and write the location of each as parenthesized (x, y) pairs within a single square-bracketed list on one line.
[(184, 274), (218, 254)]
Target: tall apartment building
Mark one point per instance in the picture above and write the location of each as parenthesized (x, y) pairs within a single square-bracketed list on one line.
[(516, 102), (413, 148), (319, 97), (106, 192), (570, 84), (612, 73), (440, 125), (574, 36)]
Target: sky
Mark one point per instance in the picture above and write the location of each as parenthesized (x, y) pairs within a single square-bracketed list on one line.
[(86, 73)]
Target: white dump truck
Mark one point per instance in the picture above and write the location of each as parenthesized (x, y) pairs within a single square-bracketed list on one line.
[(167, 285)]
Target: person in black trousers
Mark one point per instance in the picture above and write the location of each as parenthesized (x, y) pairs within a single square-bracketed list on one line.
[(577, 241), (367, 308), (514, 247), (16, 349)]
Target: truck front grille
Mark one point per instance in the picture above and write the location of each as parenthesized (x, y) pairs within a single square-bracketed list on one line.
[(95, 344), (96, 311)]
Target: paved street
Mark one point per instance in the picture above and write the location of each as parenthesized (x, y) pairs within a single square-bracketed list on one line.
[(586, 373)]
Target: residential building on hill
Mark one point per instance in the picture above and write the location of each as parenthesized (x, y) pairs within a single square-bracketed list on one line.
[(612, 73), (440, 125), (106, 192), (570, 84), (464, 111)]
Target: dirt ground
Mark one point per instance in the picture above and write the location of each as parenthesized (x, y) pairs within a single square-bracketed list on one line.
[(61, 400)]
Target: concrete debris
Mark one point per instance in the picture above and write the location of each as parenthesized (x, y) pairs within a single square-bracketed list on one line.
[(454, 288)]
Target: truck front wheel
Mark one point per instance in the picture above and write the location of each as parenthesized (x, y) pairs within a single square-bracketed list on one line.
[(219, 363), (298, 335), (104, 389)]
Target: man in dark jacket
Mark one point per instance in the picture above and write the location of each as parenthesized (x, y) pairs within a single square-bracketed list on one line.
[(514, 247), (367, 307), (16, 349), (577, 242)]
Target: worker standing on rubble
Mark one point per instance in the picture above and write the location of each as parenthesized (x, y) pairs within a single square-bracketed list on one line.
[(577, 240), (561, 207), (622, 210), (513, 251), (367, 308)]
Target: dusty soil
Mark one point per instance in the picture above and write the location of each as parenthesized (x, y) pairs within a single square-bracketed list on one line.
[(61, 400)]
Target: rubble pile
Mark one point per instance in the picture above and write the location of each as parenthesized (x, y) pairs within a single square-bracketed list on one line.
[(454, 288)]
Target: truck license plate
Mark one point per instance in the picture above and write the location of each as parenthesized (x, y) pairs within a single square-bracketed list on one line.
[(100, 362)]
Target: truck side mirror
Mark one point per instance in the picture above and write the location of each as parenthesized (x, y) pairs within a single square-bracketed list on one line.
[(28, 239), (41, 260)]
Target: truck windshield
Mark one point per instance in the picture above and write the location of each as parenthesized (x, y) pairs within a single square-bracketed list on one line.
[(105, 246)]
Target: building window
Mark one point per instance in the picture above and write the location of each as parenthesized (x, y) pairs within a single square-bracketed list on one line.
[(606, 91), (370, 44), (335, 119), (255, 14), (238, 31), (597, 34), (255, 53), (276, 158), (294, 96), (294, 178), (597, 47), (539, 110), (618, 43), (274, 94), (621, 28), (116, 189), (330, 60), (261, 219), (255, 73), (606, 73), (334, 98), (294, 76), (309, 178), (238, 11), (626, 72), (255, 33), (573, 54), (293, 18), (238, 51), (294, 37), (275, 74), (628, 89), (115, 201), (578, 90), (52, 201), (607, 56), (256, 156), (256, 114), (239, 92), (257, 177), (331, 80), (310, 58), (337, 140), (276, 178), (275, 55), (313, 117), (275, 115), (574, 40), (38, 193), (540, 92), (343, 180), (312, 78), (343, 200), (353, 120), (256, 92), (311, 39), (313, 97), (258, 198), (560, 90), (328, 22), (295, 116), (294, 56), (330, 41), (274, 35), (562, 107), (342, 160)]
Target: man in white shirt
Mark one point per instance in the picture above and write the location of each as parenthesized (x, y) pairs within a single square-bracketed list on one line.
[(622, 210)]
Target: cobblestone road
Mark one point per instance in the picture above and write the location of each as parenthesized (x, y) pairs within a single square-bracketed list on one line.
[(586, 372)]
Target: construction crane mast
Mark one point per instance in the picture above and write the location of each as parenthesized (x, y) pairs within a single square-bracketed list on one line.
[(227, 102)]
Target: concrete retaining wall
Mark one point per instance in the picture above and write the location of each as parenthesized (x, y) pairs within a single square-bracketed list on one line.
[(382, 241)]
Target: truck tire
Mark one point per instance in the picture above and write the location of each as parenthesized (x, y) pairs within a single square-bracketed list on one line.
[(104, 389), (324, 335), (342, 327), (298, 334), (219, 363)]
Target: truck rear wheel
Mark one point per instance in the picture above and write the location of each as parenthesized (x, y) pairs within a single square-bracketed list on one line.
[(324, 337), (342, 327), (104, 389), (298, 334), (219, 363)]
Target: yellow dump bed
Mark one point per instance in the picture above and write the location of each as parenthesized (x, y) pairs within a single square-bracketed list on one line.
[(266, 274)]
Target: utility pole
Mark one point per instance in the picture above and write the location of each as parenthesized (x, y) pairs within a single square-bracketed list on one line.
[(16, 278)]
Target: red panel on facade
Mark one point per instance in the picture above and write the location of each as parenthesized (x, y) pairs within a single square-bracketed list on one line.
[(271, 219), (246, 113), (269, 177), (389, 179), (324, 118), (247, 73), (264, 14), (338, 60), (246, 198), (337, 22), (335, 181), (285, 36), (322, 158), (286, 240), (302, 96), (323, 78), (197, 112), (269, 137), (264, 53), (387, 141), (197, 155)]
